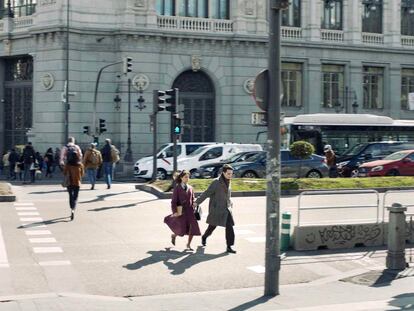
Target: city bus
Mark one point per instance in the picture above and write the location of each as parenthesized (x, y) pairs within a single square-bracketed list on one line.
[(343, 131)]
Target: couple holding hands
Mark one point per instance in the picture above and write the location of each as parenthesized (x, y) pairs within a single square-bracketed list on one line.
[(183, 203)]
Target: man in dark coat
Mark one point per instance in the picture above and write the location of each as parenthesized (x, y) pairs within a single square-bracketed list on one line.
[(28, 156), (13, 158), (220, 207)]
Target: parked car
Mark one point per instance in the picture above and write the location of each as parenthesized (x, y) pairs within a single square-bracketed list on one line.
[(212, 170), (313, 167), (143, 167), (398, 163), (213, 153), (349, 161)]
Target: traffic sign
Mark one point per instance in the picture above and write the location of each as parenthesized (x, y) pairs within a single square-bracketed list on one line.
[(259, 118), (260, 89)]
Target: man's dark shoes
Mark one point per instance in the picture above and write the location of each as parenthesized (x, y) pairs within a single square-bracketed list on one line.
[(72, 215), (230, 250), (93, 187), (173, 236), (203, 241)]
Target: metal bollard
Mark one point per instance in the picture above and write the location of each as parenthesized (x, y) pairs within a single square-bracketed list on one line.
[(285, 232), (396, 238)]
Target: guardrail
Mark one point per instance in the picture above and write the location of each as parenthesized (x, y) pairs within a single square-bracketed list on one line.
[(332, 192)]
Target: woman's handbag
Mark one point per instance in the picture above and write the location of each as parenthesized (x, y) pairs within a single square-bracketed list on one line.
[(198, 212), (66, 181)]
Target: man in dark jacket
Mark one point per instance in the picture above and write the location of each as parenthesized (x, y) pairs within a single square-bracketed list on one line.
[(108, 158), (29, 156), (13, 158)]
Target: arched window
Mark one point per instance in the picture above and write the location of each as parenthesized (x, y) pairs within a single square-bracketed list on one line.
[(332, 14), (291, 16), (372, 16), (407, 18)]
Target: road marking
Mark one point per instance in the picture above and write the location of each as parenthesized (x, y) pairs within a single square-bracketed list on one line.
[(55, 263), (23, 204), (41, 225), (26, 208), (31, 219), (42, 240), (28, 214), (4, 263), (259, 239), (257, 269), (46, 250), (241, 231), (38, 232), (250, 225)]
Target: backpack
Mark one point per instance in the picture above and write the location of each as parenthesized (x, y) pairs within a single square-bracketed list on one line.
[(94, 158), (72, 156), (115, 155)]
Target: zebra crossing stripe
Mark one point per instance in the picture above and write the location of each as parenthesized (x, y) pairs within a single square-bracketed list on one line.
[(47, 250), (28, 214), (23, 204), (31, 219), (55, 263), (37, 232), (4, 263), (42, 240), (28, 208)]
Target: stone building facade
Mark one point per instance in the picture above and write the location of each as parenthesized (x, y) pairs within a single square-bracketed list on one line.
[(337, 56)]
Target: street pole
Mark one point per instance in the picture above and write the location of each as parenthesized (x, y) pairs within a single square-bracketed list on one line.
[(175, 136), (128, 154), (154, 134), (67, 105), (272, 255)]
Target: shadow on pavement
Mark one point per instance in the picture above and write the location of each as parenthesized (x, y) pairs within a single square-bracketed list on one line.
[(403, 302), (104, 196), (385, 278), (100, 209), (167, 256), (250, 304), (47, 192), (46, 222)]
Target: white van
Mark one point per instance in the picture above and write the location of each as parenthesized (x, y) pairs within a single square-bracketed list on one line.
[(213, 153), (144, 166)]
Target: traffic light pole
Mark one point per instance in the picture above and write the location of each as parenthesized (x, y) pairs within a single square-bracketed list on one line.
[(272, 255), (95, 132), (128, 153), (154, 134), (175, 136)]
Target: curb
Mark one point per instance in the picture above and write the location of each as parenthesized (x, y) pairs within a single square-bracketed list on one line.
[(8, 197), (167, 195)]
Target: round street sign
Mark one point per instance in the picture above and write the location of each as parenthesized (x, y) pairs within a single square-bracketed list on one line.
[(260, 89)]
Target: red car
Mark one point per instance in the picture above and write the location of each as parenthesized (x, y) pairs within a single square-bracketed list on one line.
[(398, 163)]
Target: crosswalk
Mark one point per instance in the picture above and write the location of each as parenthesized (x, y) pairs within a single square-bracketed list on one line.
[(3, 253)]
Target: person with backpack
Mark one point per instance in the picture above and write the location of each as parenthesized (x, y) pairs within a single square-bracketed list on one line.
[(71, 160), (110, 156), (28, 157), (91, 161)]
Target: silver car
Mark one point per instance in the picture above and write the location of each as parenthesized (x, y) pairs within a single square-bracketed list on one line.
[(313, 167)]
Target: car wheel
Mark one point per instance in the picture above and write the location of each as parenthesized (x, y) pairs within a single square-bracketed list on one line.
[(393, 173), (314, 174), (161, 174), (249, 174)]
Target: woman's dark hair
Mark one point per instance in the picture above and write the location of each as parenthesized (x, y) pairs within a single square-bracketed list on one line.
[(227, 167), (178, 176)]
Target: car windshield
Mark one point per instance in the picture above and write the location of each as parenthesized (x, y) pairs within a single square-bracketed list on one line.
[(396, 156), (161, 148), (234, 157), (354, 150), (256, 157), (199, 150)]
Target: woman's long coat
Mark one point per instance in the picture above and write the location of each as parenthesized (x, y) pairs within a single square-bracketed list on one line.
[(220, 206), (186, 223)]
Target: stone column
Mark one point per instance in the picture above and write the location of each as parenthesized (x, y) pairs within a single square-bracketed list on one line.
[(311, 18), (392, 23), (393, 94), (312, 90), (353, 21), (355, 80), (396, 238)]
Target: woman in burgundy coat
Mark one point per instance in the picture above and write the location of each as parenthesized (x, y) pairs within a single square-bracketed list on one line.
[(184, 224)]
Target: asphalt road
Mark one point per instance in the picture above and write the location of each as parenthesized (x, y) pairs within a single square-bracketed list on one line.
[(119, 246)]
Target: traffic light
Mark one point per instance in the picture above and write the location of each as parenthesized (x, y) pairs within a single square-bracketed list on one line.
[(86, 130), (126, 64), (176, 125), (172, 100), (159, 103), (102, 125)]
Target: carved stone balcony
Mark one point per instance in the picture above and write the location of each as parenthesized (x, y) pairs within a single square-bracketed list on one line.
[(195, 24), (291, 32), (373, 38), (332, 35), (407, 41)]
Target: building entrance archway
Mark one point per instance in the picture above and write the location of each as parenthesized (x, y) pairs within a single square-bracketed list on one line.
[(197, 96)]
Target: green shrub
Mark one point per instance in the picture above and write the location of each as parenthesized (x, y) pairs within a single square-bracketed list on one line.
[(301, 149)]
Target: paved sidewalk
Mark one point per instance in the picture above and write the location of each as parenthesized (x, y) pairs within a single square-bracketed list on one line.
[(320, 295)]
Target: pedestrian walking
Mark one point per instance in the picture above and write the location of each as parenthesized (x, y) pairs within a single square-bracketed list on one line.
[(330, 161), (110, 156), (182, 221), (48, 160), (220, 207), (91, 161), (13, 159), (56, 161), (28, 157), (71, 160), (6, 164)]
